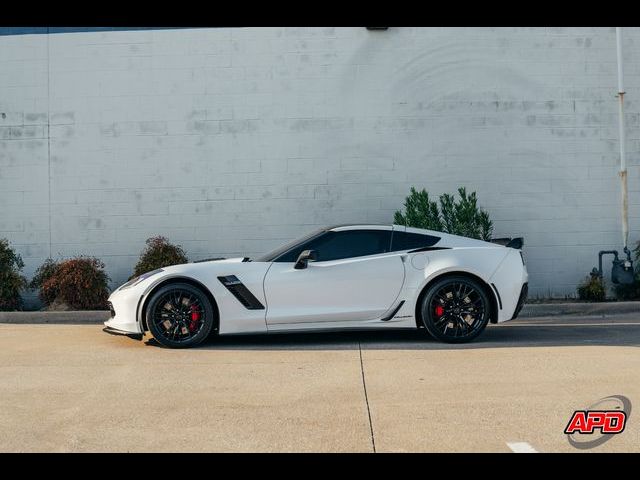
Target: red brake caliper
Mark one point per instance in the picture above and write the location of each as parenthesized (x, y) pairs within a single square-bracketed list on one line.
[(195, 317), (439, 310)]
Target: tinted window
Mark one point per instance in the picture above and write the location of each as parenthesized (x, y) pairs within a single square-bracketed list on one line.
[(411, 241), (338, 245), (272, 255)]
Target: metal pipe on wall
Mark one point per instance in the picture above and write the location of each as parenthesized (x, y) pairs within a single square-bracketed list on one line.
[(623, 160)]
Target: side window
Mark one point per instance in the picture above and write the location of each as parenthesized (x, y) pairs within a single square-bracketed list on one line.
[(352, 243), (411, 241), (293, 254), (346, 244)]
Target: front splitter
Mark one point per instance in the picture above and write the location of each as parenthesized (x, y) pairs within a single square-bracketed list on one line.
[(115, 331)]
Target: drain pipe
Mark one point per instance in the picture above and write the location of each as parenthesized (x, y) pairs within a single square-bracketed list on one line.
[(623, 160)]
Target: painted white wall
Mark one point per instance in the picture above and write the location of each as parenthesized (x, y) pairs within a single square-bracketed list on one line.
[(231, 141)]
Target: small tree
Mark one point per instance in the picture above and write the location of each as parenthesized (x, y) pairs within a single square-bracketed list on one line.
[(159, 253), (458, 217), (11, 280)]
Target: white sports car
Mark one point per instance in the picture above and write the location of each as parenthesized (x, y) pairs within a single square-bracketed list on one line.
[(343, 277)]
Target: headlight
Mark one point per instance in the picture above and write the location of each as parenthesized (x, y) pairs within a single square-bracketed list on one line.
[(139, 278)]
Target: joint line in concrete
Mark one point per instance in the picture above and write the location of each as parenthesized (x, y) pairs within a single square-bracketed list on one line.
[(366, 399)]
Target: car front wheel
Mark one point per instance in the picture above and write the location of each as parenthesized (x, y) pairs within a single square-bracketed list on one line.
[(455, 309), (179, 315)]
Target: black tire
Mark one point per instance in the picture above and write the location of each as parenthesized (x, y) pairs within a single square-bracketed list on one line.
[(180, 315), (456, 309)]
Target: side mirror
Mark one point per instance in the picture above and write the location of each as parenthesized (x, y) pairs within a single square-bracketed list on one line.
[(303, 259)]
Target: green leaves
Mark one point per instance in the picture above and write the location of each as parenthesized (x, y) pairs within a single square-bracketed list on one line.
[(159, 253), (592, 289), (420, 211), (11, 280), (458, 217)]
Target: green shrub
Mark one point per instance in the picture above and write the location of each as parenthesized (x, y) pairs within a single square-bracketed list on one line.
[(419, 211), (458, 217), (159, 253), (11, 280), (592, 289), (44, 273), (81, 283)]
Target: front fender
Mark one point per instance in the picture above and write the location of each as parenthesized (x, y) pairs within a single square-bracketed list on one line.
[(233, 316)]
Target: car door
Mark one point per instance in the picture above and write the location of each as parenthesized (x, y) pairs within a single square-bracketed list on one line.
[(354, 278)]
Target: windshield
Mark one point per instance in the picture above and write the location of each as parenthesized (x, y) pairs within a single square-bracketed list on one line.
[(271, 256)]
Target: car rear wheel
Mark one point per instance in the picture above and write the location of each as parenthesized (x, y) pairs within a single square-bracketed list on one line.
[(455, 310), (180, 315)]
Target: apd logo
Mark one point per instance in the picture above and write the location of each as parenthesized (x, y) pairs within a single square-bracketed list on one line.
[(598, 423)]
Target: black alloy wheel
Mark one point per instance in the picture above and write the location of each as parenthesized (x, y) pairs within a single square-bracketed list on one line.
[(455, 310), (180, 315)]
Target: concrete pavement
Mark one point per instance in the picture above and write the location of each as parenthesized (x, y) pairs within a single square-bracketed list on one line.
[(76, 388)]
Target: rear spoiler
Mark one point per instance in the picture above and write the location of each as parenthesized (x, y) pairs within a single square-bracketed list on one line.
[(516, 242)]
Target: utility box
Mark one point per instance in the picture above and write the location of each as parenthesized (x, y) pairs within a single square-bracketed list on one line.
[(622, 272)]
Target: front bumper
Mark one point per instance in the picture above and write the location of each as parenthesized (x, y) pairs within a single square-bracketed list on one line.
[(124, 306)]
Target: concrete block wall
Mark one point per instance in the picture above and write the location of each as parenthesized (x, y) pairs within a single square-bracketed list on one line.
[(231, 141)]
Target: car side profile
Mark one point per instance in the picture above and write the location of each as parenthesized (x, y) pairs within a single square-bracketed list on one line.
[(334, 278)]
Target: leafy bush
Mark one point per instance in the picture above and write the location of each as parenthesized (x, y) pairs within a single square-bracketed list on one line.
[(81, 283), (11, 280), (159, 253), (458, 217), (592, 289), (44, 273)]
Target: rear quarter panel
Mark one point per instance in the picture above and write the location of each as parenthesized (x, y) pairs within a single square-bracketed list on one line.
[(482, 262)]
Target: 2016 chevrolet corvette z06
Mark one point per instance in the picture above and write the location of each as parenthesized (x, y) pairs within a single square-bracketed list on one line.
[(343, 277)]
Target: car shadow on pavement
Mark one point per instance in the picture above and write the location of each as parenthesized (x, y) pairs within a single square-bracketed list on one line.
[(524, 333)]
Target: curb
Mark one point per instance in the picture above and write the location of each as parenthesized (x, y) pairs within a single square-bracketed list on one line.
[(533, 310), (530, 310), (74, 317)]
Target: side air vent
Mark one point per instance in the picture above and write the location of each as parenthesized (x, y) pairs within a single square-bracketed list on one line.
[(393, 312), (241, 292)]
